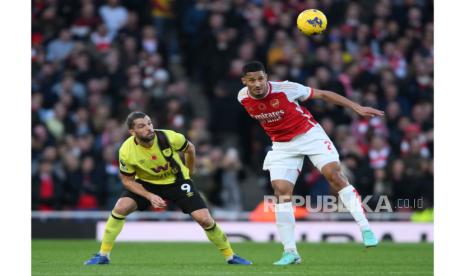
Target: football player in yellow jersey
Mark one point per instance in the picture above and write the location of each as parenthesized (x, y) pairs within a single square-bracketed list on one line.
[(152, 170)]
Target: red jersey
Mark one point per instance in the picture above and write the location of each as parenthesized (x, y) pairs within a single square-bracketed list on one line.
[(279, 112)]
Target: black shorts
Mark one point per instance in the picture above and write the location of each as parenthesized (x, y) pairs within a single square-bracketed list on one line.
[(182, 194)]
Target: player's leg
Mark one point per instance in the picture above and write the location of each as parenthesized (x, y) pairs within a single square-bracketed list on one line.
[(351, 199), (213, 231), (284, 170), (123, 207), (126, 204), (285, 219), (189, 200), (216, 235), (325, 157)]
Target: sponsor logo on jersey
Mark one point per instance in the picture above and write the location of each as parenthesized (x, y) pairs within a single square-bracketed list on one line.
[(269, 117), (158, 169)]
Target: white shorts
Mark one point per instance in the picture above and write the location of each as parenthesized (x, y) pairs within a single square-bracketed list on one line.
[(285, 160)]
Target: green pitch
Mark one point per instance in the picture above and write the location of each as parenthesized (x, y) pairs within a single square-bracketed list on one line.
[(66, 257)]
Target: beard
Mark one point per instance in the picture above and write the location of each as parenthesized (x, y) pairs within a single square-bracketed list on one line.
[(147, 139), (259, 93)]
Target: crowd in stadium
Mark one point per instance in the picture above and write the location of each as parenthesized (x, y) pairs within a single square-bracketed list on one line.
[(95, 61)]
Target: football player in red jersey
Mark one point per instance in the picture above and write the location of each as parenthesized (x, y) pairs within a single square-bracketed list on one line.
[(296, 134)]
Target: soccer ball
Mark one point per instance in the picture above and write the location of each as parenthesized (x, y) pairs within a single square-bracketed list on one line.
[(311, 22)]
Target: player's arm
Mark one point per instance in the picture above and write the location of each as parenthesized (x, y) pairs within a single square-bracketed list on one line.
[(189, 155), (337, 99), (183, 146), (129, 182)]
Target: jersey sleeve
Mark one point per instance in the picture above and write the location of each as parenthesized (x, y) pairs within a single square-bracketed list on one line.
[(242, 95), (297, 91), (124, 166), (177, 141)]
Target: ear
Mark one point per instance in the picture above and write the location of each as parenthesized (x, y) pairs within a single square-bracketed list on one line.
[(132, 132), (243, 81)]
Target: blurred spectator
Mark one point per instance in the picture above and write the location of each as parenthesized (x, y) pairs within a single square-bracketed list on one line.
[(114, 15), (111, 184), (413, 141), (61, 47), (91, 193), (165, 23), (101, 38), (86, 21), (74, 178), (359, 174), (315, 185), (47, 189), (378, 152)]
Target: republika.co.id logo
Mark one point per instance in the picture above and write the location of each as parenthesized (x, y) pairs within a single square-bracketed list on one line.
[(330, 203)]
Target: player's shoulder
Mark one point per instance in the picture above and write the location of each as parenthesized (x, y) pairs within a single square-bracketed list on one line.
[(127, 145), (128, 142), (168, 132), (242, 94), (284, 86), (171, 134)]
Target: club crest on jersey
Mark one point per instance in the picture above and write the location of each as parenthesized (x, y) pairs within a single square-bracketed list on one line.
[(167, 152), (250, 109), (274, 103), (262, 106), (154, 157)]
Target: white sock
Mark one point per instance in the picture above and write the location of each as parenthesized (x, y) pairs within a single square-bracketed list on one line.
[(285, 221), (104, 254), (352, 202)]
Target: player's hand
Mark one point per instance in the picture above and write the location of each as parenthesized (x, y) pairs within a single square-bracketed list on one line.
[(367, 111), (156, 201)]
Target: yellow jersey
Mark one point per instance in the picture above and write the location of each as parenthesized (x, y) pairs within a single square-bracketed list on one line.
[(149, 164)]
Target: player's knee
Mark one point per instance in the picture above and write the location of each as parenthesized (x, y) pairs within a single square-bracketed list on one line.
[(121, 210), (336, 178), (205, 221), (282, 196), (203, 218), (283, 193), (124, 207)]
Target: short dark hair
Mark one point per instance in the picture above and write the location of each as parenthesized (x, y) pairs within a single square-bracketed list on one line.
[(132, 117), (252, 66)]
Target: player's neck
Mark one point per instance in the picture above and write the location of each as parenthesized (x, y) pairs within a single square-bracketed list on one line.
[(257, 97)]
